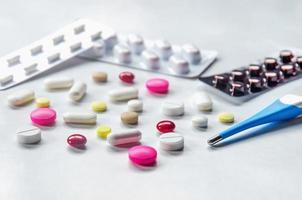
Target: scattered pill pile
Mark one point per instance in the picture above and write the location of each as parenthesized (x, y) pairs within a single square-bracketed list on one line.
[(168, 137)]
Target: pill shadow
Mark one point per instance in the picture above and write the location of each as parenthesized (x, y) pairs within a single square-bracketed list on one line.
[(121, 148), (81, 126), (31, 146), (147, 168), (75, 150), (173, 153), (265, 129)]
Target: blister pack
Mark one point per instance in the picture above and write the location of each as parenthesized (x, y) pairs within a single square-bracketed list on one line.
[(49, 52), (155, 55), (247, 82)]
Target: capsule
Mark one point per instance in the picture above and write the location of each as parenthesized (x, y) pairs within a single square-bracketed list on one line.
[(80, 118), (77, 91), (124, 137), (21, 97)]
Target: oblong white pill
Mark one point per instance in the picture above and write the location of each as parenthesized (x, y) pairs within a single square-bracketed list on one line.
[(123, 94), (191, 53), (58, 83), (150, 59), (135, 105), (173, 108), (80, 118), (200, 121), (136, 43), (179, 65), (202, 101), (21, 97), (29, 135), (125, 137), (163, 48), (122, 54), (77, 91), (171, 141)]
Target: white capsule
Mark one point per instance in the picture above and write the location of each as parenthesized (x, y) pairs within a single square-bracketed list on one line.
[(171, 141), (191, 53), (179, 65), (80, 118), (173, 108), (77, 91), (163, 48), (200, 121), (125, 137), (29, 135), (123, 94), (136, 43), (202, 101), (21, 97), (122, 54), (135, 105), (6, 79), (58, 83), (150, 59)]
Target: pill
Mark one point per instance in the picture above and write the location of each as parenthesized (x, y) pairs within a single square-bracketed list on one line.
[(270, 63), (29, 135), (150, 59), (135, 105), (126, 77), (191, 53), (43, 116), (77, 91), (99, 76), (165, 126), (157, 85), (254, 70), (200, 121), (110, 39), (77, 141), (226, 117), (142, 155), (220, 81), (21, 97), (123, 94), (103, 131), (163, 48), (129, 118), (42, 102), (99, 106), (202, 101), (6, 79), (122, 54), (171, 142), (238, 75), (98, 49), (136, 43), (237, 89), (286, 56), (58, 83), (179, 65), (79, 118), (125, 137), (173, 108)]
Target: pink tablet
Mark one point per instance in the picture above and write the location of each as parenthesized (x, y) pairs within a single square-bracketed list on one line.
[(157, 85), (43, 116), (143, 155)]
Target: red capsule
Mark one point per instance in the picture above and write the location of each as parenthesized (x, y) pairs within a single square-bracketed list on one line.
[(77, 141), (165, 126), (127, 77)]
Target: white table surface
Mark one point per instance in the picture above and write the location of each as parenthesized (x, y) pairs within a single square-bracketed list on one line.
[(267, 166)]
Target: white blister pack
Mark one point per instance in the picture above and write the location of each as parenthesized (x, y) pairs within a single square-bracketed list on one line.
[(154, 55), (49, 52)]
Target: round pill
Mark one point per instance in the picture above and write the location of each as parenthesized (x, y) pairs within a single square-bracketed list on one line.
[(157, 85), (202, 101), (171, 141), (77, 141), (103, 131), (129, 118), (126, 77), (226, 117), (42, 102), (165, 126), (43, 116), (142, 155), (99, 106), (200, 121), (135, 105), (173, 108), (99, 76), (29, 135)]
